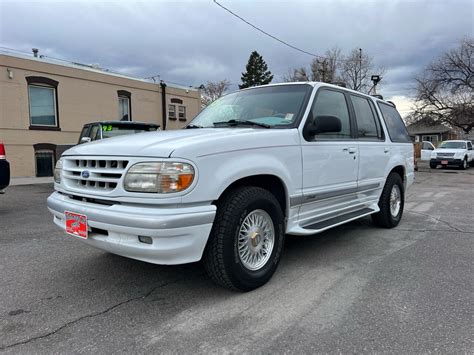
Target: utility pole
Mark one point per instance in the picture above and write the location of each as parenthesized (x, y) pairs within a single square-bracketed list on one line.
[(360, 68)]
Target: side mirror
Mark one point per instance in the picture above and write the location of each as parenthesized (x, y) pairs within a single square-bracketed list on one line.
[(85, 140), (324, 124)]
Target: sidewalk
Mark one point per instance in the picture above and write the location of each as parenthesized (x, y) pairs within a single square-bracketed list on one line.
[(31, 180)]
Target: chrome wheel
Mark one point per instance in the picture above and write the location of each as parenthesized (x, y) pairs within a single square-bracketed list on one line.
[(395, 200), (464, 164), (256, 239)]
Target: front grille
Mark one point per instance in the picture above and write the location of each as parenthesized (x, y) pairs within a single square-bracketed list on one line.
[(445, 155), (101, 174)]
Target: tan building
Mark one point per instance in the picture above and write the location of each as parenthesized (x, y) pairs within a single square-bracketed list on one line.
[(45, 103)]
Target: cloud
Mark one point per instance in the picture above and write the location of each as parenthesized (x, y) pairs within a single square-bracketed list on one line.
[(195, 41)]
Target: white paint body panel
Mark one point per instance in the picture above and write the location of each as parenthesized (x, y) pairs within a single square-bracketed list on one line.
[(220, 157)]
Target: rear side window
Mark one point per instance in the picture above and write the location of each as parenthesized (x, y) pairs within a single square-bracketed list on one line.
[(396, 128), (469, 146), (367, 124), (332, 103)]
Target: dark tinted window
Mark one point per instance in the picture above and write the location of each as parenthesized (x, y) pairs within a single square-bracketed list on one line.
[(469, 145), (366, 121), (332, 103), (83, 133), (396, 128)]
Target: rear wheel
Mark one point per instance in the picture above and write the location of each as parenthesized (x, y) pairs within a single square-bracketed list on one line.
[(246, 240), (391, 203)]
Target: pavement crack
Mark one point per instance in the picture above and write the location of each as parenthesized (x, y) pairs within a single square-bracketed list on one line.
[(92, 315), (440, 220)]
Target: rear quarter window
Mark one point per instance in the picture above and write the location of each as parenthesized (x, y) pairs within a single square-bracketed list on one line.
[(396, 128)]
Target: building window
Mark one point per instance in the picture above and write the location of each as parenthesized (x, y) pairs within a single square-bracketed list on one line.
[(172, 112), (124, 109), (182, 113), (44, 163), (42, 101), (124, 105), (430, 138)]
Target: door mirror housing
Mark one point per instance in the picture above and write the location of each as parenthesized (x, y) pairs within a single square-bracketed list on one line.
[(324, 124), (85, 139)]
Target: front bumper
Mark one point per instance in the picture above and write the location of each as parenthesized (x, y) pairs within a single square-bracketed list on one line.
[(179, 235), (451, 161)]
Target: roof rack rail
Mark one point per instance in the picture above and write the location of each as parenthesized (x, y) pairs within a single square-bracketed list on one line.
[(392, 103), (378, 96), (339, 83)]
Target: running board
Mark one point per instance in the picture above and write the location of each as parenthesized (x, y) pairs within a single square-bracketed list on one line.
[(332, 222)]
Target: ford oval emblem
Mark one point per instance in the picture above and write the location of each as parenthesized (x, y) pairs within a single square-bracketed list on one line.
[(85, 174)]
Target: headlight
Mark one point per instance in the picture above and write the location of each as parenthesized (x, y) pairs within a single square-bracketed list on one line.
[(57, 171), (159, 177)]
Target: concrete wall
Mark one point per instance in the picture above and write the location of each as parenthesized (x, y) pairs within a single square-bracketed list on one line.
[(82, 96)]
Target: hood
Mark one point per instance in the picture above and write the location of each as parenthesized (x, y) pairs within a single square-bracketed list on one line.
[(186, 143), (450, 150)]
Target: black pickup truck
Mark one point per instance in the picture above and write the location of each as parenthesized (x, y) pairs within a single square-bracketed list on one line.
[(106, 129)]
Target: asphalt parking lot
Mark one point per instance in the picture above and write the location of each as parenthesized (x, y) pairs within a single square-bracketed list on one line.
[(352, 289)]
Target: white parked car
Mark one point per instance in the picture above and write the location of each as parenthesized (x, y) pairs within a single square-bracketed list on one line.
[(253, 166), (454, 152), (426, 149)]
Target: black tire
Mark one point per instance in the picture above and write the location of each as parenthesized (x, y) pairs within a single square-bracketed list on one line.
[(464, 165), (433, 165), (384, 217), (221, 259)]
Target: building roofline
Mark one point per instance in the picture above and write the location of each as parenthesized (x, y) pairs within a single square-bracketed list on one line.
[(87, 67)]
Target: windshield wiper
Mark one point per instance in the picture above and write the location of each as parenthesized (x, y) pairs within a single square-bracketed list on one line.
[(193, 126), (242, 123)]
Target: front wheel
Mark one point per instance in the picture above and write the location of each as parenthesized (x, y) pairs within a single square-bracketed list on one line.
[(464, 164), (391, 203), (246, 240), (433, 165)]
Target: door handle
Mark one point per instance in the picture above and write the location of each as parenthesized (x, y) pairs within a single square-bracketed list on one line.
[(352, 150), (386, 150)]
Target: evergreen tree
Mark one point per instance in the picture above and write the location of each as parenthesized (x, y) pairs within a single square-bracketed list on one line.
[(257, 72)]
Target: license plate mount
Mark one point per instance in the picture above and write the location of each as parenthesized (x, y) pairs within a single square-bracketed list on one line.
[(76, 224), (444, 162)]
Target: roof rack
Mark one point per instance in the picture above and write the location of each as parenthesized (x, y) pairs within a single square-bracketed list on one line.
[(378, 96)]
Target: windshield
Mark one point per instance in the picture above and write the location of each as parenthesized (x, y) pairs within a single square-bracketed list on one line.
[(452, 145), (109, 130), (264, 107)]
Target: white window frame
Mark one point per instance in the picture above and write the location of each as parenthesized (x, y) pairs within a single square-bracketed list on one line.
[(54, 102), (184, 112), (120, 107), (174, 111), (430, 138)]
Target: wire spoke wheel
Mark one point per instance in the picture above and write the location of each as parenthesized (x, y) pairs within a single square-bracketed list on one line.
[(395, 200), (256, 240)]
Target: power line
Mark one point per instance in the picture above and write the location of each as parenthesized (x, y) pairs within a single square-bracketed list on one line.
[(268, 34)]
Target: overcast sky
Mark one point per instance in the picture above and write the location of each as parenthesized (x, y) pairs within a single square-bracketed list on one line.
[(191, 42)]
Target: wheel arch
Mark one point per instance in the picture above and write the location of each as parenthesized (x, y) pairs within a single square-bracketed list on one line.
[(269, 182)]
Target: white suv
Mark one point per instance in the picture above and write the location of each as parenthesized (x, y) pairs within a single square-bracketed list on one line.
[(455, 152), (253, 166)]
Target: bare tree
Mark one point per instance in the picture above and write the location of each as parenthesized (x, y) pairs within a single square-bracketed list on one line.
[(356, 69), (298, 74), (213, 90), (445, 89), (326, 69)]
